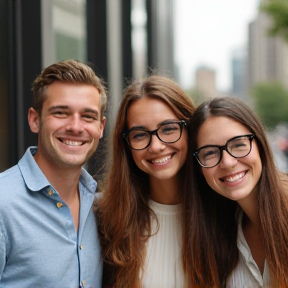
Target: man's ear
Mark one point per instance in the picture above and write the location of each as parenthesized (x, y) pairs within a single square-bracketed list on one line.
[(102, 126), (34, 120)]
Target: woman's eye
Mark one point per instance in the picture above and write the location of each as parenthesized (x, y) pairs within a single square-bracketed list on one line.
[(240, 145), (210, 154), (243, 143), (169, 128), (138, 135)]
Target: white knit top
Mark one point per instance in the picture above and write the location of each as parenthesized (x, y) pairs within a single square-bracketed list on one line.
[(163, 266)]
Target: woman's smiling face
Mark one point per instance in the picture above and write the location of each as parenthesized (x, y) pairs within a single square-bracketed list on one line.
[(234, 178), (159, 160)]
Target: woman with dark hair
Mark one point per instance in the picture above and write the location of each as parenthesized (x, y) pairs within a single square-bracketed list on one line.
[(144, 238), (241, 196)]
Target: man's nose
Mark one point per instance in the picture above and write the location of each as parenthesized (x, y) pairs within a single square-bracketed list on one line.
[(75, 124)]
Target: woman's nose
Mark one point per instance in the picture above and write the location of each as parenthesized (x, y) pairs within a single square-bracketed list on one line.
[(227, 160), (156, 144)]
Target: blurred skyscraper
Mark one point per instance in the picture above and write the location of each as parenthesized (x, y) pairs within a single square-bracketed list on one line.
[(267, 55), (205, 82), (239, 73), (153, 36), (160, 29)]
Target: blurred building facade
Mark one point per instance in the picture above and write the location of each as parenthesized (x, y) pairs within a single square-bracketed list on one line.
[(267, 55), (122, 39), (205, 82), (239, 73)]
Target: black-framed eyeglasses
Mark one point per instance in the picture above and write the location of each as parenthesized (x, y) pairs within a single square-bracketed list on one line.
[(140, 138), (209, 156)]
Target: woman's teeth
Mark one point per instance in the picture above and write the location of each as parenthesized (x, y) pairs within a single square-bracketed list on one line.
[(234, 178), (162, 160)]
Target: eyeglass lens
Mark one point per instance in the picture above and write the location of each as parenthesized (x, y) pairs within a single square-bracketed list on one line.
[(239, 147), (167, 133)]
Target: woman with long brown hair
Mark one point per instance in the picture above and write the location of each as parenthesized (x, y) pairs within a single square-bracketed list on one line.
[(241, 196), (141, 212)]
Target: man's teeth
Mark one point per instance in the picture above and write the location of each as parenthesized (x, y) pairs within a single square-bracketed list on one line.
[(234, 178), (72, 143), (162, 160)]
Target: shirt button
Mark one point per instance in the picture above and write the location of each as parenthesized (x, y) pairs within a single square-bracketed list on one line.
[(80, 247), (83, 282), (51, 192), (59, 205)]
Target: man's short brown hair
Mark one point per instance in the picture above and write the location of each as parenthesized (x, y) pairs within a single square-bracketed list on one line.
[(67, 71)]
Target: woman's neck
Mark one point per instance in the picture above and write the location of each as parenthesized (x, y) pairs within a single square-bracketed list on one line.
[(253, 234), (252, 228), (250, 207), (165, 191)]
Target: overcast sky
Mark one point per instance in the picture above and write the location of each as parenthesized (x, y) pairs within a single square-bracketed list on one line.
[(207, 32)]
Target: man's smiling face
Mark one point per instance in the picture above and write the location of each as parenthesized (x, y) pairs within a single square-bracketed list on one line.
[(70, 127)]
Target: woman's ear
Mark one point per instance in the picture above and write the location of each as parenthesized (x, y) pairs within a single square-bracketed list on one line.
[(34, 120)]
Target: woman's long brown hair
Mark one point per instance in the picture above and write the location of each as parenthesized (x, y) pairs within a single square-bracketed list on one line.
[(123, 212)]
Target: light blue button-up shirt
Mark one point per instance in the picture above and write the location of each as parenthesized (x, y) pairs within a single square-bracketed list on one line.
[(39, 245)]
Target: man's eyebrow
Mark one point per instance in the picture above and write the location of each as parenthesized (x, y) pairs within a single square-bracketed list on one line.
[(65, 107), (88, 110), (58, 107)]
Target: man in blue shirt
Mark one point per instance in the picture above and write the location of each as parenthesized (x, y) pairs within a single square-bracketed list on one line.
[(48, 234)]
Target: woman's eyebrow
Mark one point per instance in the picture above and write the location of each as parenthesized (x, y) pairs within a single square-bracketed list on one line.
[(137, 127)]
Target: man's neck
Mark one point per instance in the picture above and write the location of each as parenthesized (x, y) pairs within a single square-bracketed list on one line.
[(65, 182), (64, 179)]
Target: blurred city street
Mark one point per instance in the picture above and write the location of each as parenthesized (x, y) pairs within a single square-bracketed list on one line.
[(279, 143)]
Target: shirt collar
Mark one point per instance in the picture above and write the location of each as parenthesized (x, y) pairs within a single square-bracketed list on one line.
[(32, 174), (36, 180)]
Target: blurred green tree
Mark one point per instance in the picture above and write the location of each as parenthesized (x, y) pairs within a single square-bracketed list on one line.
[(271, 103), (278, 11)]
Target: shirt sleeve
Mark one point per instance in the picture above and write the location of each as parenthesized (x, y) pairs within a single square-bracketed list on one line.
[(2, 248)]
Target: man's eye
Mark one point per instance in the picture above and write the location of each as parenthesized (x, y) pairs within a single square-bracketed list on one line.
[(89, 117), (60, 113)]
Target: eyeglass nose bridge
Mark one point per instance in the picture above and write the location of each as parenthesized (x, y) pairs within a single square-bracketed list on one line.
[(154, 132), (224, 148)]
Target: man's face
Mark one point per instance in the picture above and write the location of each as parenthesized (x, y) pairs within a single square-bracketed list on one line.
[(70, 126)]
